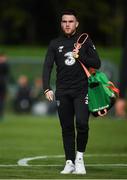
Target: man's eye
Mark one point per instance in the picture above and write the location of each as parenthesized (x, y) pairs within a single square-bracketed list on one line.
[(67, 21)]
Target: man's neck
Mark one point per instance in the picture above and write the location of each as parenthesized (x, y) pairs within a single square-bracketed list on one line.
[(70, 35)]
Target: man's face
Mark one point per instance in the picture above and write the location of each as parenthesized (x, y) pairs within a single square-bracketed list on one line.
[(69, 24)]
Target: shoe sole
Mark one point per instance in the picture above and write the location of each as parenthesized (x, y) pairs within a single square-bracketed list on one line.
[(79, 173), (67, 173)]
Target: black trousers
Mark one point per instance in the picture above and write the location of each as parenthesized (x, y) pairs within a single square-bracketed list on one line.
[(73, 114)]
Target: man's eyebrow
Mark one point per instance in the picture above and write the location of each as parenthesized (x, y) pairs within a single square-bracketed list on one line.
[(67, 21)]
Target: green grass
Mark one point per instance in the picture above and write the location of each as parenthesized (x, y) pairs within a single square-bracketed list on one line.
[(112, 54), (30, 136), (108, 53), (30, 51), (28, 60)]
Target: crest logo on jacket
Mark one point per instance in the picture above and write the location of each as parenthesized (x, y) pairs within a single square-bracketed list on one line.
[(70, 60), (60, 48)]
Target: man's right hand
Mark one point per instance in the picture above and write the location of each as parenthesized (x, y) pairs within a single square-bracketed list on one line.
[(49, 95)]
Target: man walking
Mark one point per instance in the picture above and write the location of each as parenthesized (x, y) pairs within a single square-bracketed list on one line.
[(71, 89)]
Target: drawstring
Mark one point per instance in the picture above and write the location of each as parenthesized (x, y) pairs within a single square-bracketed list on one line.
[(113, 88), (79, 44)]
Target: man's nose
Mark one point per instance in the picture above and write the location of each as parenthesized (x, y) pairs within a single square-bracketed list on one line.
[(67, 24)]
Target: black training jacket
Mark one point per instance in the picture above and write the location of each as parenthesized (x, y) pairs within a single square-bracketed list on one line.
[(70, 74)]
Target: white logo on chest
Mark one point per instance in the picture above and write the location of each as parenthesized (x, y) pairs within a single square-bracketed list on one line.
[(70, 60), (60, 48)]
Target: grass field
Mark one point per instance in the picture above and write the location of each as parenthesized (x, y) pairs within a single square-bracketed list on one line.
[(112, 54), (28, 60), (40, 138)]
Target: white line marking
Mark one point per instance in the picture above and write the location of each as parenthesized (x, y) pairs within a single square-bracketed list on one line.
[(105, 155), (24, 161), (59, 165)]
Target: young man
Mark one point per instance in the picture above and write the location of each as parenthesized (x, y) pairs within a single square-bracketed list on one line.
[(71, 89)]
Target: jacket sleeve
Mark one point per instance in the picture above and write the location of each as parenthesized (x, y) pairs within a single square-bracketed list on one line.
[(48, 66), (90, 56)]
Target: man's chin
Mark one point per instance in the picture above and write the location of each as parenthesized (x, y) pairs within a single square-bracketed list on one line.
[(69, 33)]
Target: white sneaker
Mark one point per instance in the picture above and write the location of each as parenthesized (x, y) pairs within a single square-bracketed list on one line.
[(79, 166), (69, 167)]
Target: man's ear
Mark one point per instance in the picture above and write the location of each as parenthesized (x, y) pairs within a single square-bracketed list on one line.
[(77, 24)]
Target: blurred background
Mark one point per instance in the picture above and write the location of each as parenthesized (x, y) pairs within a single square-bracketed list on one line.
[(26, 28)]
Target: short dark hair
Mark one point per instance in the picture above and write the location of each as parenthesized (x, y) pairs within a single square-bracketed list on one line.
[(69, 12)]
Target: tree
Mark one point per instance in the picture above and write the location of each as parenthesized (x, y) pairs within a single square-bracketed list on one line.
[(36, 22)]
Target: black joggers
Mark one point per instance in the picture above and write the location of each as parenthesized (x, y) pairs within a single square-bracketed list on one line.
[(74, 132)]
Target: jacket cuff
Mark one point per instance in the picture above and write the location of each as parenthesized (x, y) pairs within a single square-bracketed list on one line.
[(46, 91)]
